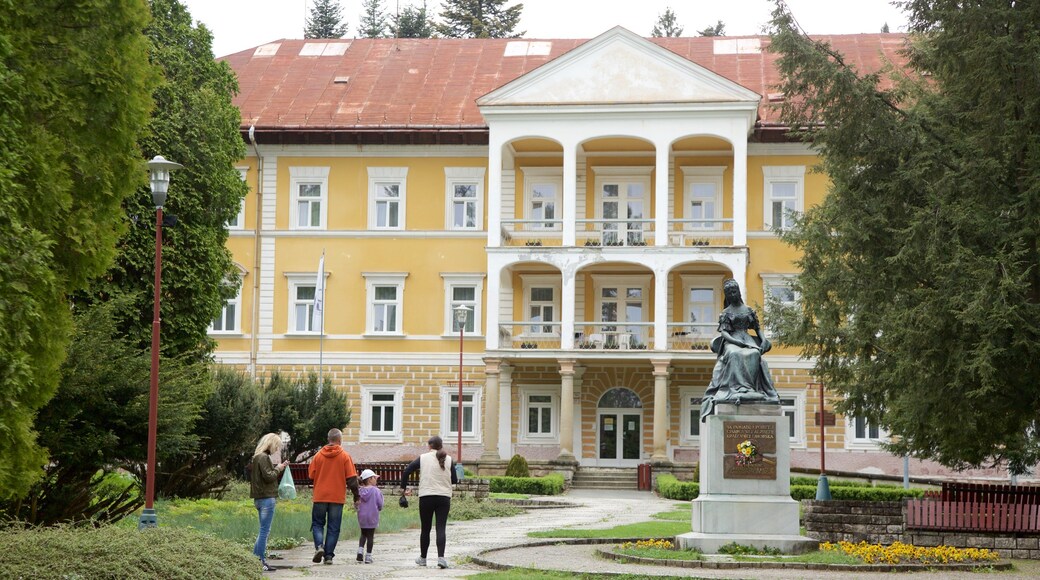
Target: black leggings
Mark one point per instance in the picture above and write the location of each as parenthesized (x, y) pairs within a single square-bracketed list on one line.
[(428, 506), (368, 536)]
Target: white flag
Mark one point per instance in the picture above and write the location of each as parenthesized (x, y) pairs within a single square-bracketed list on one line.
[(319, 297)]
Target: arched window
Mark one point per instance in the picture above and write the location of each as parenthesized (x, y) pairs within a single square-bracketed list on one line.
[(620, 398)]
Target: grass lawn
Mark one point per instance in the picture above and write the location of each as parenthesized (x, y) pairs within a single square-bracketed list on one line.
[(659, 529), (499, 495)]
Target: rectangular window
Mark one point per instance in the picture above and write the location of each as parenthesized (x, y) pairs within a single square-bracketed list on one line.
[(381, 413), (385, 299), (308, 192), (779, 288), (784, 195), (861, 433), (303, 307), (539, 415), (230, 315), (464, 296), (465, 202), (470, 412), (463, 290), (542, 309), (622, 201), (543, 187), (703, 189), (386, 186)]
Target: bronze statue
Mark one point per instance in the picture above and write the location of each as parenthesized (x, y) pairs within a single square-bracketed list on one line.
[(741, 375)]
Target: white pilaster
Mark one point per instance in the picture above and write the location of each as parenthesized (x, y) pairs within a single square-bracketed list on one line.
[(661, 183), (740, 193), (661, 309), (567, 307), (505, 411), (494, 196), (570, 196), (494, 299)]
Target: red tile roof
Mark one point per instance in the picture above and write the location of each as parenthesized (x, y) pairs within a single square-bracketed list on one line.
[(416, 85)]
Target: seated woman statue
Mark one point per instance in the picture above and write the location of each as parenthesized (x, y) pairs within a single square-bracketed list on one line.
[(741, 374)]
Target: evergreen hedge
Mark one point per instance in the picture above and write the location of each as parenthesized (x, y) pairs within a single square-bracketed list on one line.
[(671, 488), (551, 484)]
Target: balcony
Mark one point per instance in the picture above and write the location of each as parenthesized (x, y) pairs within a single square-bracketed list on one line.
[(608, 233), (605, 336)]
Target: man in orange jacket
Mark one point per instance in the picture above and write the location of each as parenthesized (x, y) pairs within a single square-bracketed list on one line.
[(332, 471)]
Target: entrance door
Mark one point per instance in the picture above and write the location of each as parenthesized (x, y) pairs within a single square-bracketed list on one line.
[(620, 428)]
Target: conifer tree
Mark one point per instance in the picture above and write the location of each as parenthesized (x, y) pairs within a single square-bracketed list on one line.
[(718, 30), (325, 20), (479, 19), (920, 285), (374, 22), (412, 22), (667, 25)]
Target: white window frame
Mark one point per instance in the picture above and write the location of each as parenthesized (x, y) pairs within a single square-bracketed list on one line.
[(699, 175), (622, 175), (541, 281), (308, 176), (798, 408), (463, 176), (690, 282), (690, 412), (396, 434), (534, 176), (775, 174), (239, 221), (553, 436), (599, 282), (770, 281), (452, 281), (864, 443), (236, 319), (380, 176), (450, 409), (374, 279), (294, 281)]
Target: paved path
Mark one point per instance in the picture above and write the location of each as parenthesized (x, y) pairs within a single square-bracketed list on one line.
[(395, 553)]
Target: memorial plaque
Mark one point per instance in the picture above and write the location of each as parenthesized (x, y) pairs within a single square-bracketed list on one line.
[(741, 436)]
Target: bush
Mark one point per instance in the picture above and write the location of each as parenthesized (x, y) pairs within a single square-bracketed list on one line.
[(862, 493), (121, 552), (841, 483), (303, 411), (517, 467), (670, 487), (551, 484)]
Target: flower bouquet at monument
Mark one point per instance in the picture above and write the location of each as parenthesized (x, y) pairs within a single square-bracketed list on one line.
[(746, 453)]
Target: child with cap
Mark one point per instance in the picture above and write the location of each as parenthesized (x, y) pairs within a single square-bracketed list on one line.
[(368, 509)]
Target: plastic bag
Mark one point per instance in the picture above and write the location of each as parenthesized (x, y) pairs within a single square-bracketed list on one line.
[(287, 488)]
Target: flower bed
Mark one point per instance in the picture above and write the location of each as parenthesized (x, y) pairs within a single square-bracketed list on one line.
[(900, 553)]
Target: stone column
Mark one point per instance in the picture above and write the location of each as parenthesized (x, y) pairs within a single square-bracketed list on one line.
[(505, 410), (566, 410), (491, 387), (661, 419)]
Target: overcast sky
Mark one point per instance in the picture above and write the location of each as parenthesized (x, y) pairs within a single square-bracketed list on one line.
[(241, 24)]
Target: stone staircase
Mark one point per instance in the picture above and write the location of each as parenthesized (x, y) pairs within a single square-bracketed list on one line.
[(605, 478)]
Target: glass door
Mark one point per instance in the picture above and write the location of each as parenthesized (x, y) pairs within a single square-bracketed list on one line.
[(620, 437)]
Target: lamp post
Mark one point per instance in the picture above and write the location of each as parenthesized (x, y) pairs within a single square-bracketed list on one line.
[(461, 316), (160, 169)]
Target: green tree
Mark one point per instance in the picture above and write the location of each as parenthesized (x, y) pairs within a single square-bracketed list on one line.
[(718, 30), (667, 25), (75, 88), (920, 286), (325, 20), (194, 124), (479, 19), (374, 23), (412, 22), (304, 411)]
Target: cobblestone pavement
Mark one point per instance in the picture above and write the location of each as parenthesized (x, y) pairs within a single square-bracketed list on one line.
[(394, 554)]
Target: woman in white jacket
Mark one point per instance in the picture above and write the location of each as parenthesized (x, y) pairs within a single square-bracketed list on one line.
[(436, 476)]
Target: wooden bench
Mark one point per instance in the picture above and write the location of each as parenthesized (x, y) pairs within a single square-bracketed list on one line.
[(390, 472), (977, 507)]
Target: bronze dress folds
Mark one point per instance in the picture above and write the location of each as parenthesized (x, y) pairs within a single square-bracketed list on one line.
[(741, 375)]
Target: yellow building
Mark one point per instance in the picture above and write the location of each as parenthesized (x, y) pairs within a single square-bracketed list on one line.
[(586, 199)]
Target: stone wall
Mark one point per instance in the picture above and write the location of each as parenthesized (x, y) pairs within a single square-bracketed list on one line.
[(884, 523)]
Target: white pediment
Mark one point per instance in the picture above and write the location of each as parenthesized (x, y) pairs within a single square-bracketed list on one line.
[(618, 67)]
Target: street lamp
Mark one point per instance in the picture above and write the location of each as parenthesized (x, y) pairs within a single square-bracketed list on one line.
[(461, 316), (160, 169)]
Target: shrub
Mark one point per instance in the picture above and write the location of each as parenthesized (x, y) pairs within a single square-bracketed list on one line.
[(670, 487), (304, 411), (517, 467), (843, 492), (468, 508), (121, 552), (551, 484)]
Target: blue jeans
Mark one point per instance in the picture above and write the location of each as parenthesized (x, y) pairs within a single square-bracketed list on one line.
[(264, 509), (326, 515)]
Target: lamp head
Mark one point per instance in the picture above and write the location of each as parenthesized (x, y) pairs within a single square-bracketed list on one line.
[(462, 315), (159, 169)]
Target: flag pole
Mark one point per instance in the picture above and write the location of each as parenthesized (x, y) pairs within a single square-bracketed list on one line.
[(319, 299)]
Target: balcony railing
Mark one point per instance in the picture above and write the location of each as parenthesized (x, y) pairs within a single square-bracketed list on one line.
[(544, 232), (691, 335), (529, 334), (700, 232), (616, 232), (606, 335)]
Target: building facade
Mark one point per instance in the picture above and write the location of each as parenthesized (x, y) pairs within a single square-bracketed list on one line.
[(585, 199)]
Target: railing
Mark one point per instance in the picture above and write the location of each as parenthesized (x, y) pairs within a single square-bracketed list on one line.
[(390, 472), (691, 335), (527, 232), (700, 232), (977, 507), (606, 335), (616, 232), (529, 334)]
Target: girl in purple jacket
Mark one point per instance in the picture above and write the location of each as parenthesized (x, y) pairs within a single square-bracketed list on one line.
[(368, 508)]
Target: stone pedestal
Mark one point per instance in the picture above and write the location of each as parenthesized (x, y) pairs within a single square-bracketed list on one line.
[(745, 501)]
